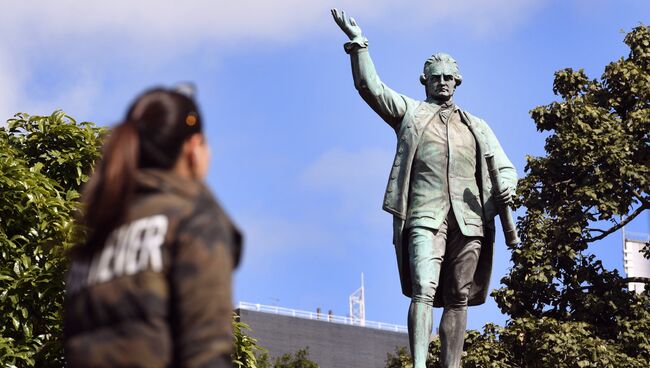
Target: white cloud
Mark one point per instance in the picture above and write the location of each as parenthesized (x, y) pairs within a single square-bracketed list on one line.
[(357, 178), (481, 17), (147, 34), (235, 20), (11, 77), (269, 237), (78, 97), (156, 20)]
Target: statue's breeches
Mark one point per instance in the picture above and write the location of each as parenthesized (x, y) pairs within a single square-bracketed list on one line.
[(430, 250)]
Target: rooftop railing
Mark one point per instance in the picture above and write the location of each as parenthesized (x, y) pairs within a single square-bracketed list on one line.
[(325, 317)]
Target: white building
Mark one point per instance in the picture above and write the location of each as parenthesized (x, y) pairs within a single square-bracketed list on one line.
[(634, 263)]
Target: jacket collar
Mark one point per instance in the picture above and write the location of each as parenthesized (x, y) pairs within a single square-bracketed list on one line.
[(167, 181)]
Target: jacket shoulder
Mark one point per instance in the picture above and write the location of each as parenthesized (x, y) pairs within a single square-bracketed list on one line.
[(412, 106), (208, 224)]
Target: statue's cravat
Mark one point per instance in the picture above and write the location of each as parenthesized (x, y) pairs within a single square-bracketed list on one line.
[(445, 109)]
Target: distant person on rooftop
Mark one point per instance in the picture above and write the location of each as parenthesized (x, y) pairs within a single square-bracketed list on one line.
[(151, 286)]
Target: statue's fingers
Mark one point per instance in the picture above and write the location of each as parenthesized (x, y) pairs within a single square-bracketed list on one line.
[(504, 195), (345, 17), (338, 19), (353, 22)]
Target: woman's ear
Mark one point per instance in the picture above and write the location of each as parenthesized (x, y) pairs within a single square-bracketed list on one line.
[(198, 155)]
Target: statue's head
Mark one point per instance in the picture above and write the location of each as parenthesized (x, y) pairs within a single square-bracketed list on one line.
[(440, 77)]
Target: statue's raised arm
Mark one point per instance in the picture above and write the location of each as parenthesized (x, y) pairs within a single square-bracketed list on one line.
[(390, 105)]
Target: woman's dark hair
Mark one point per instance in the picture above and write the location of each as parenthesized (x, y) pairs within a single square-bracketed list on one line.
[(157, 124)]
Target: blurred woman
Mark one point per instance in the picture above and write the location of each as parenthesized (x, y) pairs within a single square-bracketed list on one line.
[(151, 286)]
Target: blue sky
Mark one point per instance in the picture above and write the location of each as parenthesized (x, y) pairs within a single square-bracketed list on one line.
[(299, 160)]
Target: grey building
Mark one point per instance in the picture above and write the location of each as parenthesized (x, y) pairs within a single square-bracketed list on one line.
[(334, 342)]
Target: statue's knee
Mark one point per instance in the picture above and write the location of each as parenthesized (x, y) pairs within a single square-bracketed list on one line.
[(456, 297), (424, 299), (424, 292)]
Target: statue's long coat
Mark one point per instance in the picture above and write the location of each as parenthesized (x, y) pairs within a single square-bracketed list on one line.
[(409, 131)]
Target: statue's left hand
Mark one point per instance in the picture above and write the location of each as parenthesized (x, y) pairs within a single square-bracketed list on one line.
[(506, 197)]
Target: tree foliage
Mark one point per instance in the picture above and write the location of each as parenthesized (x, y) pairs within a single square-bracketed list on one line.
[(299, 359), (246, 352), (595, 173), (400, 359), (43, 162), (593, 180), (531, 343)]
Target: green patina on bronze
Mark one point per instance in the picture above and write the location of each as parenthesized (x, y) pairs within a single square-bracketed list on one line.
[(439, 192)]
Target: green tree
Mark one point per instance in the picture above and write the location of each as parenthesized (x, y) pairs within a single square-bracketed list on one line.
[(43, 162), (399, 359), (246, 352), (593, 180), (596, 172), (402, 358), (299, 359)]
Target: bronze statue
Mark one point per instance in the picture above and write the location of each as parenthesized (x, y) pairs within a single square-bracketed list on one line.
[(440, 195)]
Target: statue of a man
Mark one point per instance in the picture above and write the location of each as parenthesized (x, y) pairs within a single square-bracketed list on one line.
[(439, 193)]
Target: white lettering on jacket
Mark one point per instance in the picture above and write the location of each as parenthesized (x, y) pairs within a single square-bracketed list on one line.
[(129, 249)]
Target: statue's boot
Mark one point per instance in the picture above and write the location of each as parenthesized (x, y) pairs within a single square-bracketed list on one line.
[(420, 321), (452, 336)]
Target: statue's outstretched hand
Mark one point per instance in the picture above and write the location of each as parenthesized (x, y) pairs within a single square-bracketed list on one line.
[(347, 24)]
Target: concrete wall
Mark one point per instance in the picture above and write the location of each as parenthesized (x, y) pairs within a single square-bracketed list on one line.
[(331, 345)]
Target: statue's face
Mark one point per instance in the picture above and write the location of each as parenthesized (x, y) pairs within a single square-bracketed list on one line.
[(440, 83)]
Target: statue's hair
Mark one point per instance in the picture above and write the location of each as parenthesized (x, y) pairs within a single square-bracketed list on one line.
[(437, 59)]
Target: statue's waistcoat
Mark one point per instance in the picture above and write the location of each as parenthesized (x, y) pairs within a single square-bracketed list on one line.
[(408, 137), (397, 190)]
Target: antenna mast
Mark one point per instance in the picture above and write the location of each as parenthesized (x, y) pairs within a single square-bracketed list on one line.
[(358, 305)]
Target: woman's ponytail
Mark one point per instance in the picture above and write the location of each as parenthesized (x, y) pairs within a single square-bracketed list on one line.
[(108, 192)]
